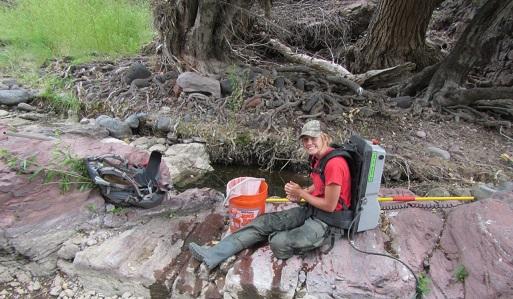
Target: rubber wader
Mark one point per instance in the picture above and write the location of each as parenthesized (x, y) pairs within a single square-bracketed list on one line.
[(213, 256)]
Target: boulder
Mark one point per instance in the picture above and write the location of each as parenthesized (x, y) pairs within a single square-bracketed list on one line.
[(187, 162), (13, 97), (116, 127), (478, 237), (193, 82), (136, 71)]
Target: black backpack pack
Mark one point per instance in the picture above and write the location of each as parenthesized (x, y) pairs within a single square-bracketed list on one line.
[(125, 185), (349, 151)]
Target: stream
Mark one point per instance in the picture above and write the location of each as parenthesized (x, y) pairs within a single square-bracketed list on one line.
[(222, 174)]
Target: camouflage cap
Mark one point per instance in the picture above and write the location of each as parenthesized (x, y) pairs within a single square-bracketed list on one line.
[(312, 128)]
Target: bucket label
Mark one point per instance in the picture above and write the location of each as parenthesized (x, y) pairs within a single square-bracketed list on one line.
[(240, 217)]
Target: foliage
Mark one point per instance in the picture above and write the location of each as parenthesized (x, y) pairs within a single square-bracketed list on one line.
[(63, 169), (117, 210), (35, 30), (423, 287), (238, 81), (57, 99), (461, 273)]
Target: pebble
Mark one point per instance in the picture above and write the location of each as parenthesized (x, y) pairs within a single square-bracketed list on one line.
[(14, 284), (421, 134), (26, 107), (91, 242), (439, 152), (3, 113), (23, 277), (34, 286), (158, 147), (126, 295), (55, 291), (84, 121)]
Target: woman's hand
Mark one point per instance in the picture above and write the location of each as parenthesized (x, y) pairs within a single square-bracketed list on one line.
[(294, 190)]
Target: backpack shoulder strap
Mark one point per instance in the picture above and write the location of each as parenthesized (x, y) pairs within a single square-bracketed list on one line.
[(338, 151)]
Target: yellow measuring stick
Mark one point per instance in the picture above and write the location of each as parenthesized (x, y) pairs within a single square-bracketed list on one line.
[(392, 198)]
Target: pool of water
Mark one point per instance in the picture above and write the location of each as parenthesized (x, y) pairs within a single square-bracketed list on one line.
[(222, 174)]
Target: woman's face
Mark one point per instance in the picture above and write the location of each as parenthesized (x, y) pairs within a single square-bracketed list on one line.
[(313, 145)]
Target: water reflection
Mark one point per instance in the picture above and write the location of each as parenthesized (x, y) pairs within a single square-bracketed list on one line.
[(223, 174)]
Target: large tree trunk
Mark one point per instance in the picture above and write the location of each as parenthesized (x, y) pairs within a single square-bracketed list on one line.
[(193, 31), (396, 35), (475, 47)]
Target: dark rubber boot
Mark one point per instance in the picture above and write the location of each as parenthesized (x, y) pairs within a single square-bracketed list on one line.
[(213, 256)]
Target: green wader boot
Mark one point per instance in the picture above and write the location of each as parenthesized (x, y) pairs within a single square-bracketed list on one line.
[(213, 256)]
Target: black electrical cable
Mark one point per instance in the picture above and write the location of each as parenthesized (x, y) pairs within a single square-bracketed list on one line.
[(418, 291)]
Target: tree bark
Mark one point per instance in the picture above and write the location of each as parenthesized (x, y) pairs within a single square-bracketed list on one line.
[(474, 48), (396, 35), (194, 31)]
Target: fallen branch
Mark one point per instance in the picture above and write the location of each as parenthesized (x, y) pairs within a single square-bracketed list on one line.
[(339, 75), (312, 62)]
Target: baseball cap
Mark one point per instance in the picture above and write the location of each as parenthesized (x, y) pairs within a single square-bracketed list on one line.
[(311, 128)]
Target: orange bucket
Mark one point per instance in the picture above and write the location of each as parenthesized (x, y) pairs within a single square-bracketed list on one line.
[(246, 207)]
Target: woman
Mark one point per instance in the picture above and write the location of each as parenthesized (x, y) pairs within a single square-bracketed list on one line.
[(293, 231)]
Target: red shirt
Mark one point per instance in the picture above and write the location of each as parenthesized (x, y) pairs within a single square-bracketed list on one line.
[(336, 172)]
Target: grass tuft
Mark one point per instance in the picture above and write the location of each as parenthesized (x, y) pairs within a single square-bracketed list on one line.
[(34, 30)]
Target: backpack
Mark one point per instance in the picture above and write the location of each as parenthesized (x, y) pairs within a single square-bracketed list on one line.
[(349, 151), (122, 184)]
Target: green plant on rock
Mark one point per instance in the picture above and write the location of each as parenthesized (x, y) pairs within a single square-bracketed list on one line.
[(461, 273), (57, 99), (63, 169), (238, 81), (423, 285)]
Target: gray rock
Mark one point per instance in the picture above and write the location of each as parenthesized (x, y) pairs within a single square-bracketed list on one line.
[(158, 147), (439, 152), (438, 192), (403, 102), (32, 116), (483, 191), (421, 134), (163, 123), (226, 87), (68, 251), (193, 82), (131, 270), (115, 126), (34, 286), (14, 97), (300, 84), (187, 161), (23, 277), (26, 107), (458, 191), (5, 274), (141, 83), (3, 113), (506, 186), (279, 83), (55, 291), (132, 121), (136, 71), (84, 121)]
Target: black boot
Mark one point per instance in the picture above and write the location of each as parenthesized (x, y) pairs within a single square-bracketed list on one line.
[(213, 256)]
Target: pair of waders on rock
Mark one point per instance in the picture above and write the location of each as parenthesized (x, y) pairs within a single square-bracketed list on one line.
[(290, 232)]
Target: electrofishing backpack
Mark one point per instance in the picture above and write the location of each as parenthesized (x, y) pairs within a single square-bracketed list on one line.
[(365, 160), (125, 185)]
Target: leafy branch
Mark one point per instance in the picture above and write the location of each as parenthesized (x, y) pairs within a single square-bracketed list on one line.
[(63, 169)]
